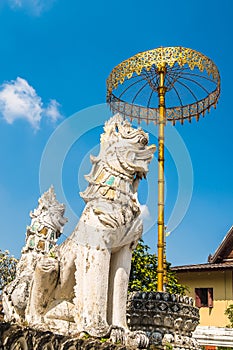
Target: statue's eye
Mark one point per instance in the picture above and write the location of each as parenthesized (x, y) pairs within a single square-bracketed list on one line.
[(143, 141)]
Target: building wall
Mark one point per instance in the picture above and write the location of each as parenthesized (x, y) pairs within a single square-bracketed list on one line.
[(221, 282)]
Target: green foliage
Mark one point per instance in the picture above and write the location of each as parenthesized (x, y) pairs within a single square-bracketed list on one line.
[(229, 313), (7, 268), (172, 283), (143, 276), (143, 267)]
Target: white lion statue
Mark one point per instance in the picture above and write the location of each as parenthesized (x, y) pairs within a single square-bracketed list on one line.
[(82, 286)]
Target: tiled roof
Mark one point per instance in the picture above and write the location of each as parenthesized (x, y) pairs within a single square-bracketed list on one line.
[(203, 267)]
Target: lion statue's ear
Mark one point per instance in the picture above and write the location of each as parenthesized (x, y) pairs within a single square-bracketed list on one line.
[(112, 127), (113, 122)]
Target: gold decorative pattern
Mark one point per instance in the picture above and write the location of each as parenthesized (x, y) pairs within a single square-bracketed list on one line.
[(44, 231), (157, 58)]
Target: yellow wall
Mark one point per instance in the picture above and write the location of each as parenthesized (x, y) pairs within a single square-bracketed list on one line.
[(221, 282)]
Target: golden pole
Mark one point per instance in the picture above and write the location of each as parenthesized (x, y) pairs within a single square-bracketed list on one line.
[(161, 124)]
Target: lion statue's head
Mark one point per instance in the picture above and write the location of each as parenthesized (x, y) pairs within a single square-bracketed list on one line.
[(122, 161)]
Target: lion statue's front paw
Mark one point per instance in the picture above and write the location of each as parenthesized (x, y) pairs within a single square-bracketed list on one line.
[(117, 335), (136, 339)]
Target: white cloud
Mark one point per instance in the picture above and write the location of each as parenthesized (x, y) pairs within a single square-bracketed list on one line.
[(34, 7), (145, 214), (19, 100), (52, 111)]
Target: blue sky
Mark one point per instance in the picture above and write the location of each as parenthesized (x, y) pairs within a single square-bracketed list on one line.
[(55, 57)]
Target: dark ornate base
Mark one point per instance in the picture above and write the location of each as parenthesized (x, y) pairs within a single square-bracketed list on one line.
[(167, 319)]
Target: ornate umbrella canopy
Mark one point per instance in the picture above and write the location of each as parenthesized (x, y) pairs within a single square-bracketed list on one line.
[(192, 85)]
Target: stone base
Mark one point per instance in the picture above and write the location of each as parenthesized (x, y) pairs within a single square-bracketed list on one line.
[(168, 321), (14, 337)]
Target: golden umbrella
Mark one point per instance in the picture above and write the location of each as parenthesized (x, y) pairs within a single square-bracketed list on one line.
[(138, 87)]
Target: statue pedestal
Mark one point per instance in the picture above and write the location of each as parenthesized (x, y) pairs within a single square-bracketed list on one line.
[(14, 337), (167, 319)]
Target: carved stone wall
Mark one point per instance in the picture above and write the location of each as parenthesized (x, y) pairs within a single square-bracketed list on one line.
[(14, 337)]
